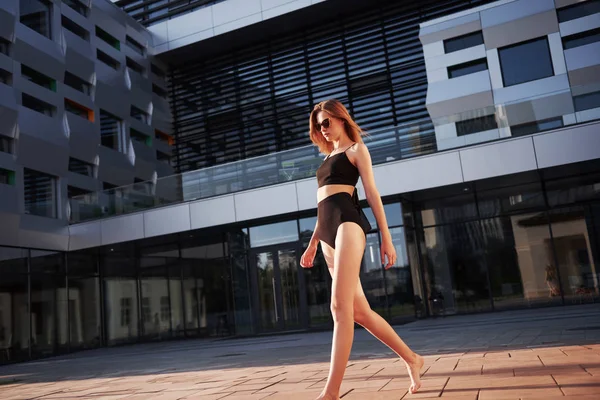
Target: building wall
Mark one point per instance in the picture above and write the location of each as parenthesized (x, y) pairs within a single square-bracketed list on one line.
[(77, 90), (520, 83)]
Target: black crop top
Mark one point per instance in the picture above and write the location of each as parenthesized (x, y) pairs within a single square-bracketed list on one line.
[(337, 169)]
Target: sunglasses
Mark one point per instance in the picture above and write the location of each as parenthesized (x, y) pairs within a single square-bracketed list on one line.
[(326, 123)]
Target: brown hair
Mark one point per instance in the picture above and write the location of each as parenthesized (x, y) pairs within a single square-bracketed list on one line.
[(336, 109)]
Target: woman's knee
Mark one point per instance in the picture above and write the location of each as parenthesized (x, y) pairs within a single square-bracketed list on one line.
[(361, 314), (342, 310)]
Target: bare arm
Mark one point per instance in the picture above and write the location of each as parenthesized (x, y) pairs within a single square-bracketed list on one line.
[(314, 239), (365, 169)]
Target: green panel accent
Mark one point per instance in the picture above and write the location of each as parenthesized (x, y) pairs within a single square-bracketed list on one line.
[(53, 85), (149, 141), (11, 178)]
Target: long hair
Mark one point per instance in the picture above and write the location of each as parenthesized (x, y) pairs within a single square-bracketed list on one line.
[(336, 109)]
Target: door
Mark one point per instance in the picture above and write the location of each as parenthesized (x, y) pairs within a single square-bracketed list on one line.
[(278, 288)]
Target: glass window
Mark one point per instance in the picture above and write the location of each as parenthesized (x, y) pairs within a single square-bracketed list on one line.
[(393, 215), (455, 272), (5, 77), (398, 280), (37, 15), (525, 62), (121, 316), (7, 177), (40, 193), (140, 137), (449, 209), (509, 200), (79, 110), (77, 6), (38, 78), (138, 114), (463, 42), (77, 83), (14, 305), (134, 45), (108, 38), (573, 230), (578, 10), (49, 316), (281, 232), (520, 261), (4, 46), (134, 66), (536, 126), (75, 28), (6, 144), (159, 91), (583, 188), (587, 101), (209, 294), (81, 167), (467, 68), (581, 39), (108, 60), (475, 125), (37, 105), (111, 129)]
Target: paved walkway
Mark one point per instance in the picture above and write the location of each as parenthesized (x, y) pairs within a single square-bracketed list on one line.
[(534, 354)]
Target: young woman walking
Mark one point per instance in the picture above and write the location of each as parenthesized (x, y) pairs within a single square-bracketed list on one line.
[(341, 229)]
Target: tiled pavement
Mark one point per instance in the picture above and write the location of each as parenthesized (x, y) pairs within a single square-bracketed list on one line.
[(534, 354)]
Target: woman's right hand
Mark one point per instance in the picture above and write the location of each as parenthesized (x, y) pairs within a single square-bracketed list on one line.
[(306, 261)]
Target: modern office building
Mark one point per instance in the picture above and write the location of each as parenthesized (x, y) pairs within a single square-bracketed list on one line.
[(185, 211)]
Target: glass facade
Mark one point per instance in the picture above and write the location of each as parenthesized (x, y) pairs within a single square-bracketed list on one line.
[(254, 100), (485, 246)]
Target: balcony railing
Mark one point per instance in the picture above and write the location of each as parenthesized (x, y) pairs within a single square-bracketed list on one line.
[(385, 145)]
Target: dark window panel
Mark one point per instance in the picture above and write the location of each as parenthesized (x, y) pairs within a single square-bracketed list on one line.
[(37, 15), (78, 6), (75, 28), (37, 105), (581, 39), (108, 38), (536, 126), (108, 60), (476, 125), (6, 144), (5, 46), (467, 68), (81, 167), (38, 78), (135, 66), (5, 77), (135, 45), (587, 101), (7, 177), (463, 42), (110, 131), (40, 193), (578, 10), (77, 83), (525, 62)]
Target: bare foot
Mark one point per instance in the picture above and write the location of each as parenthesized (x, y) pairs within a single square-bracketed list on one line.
[(414, 370), (326, 396)]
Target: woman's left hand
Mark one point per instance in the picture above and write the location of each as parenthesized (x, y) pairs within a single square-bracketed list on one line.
[(388, 249)]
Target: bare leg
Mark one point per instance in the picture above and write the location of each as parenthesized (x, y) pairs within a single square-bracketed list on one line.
[(349, 249), (380, 328)]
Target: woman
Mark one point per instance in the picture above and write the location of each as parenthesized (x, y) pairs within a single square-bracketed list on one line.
[(341, 229)]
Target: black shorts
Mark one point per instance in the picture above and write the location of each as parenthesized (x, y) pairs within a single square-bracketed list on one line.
[(334, 211)]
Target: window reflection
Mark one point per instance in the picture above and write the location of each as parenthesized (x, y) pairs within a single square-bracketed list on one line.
[(280, 232), (119, 286), (318, 280), (14, 305), (399, 284), (573, 235)]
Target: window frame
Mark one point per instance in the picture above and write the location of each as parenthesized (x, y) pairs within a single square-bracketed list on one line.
[(460, 38), (524, 43), (457, 67)]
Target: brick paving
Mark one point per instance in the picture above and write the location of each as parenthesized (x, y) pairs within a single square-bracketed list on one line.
[(561, 365)]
